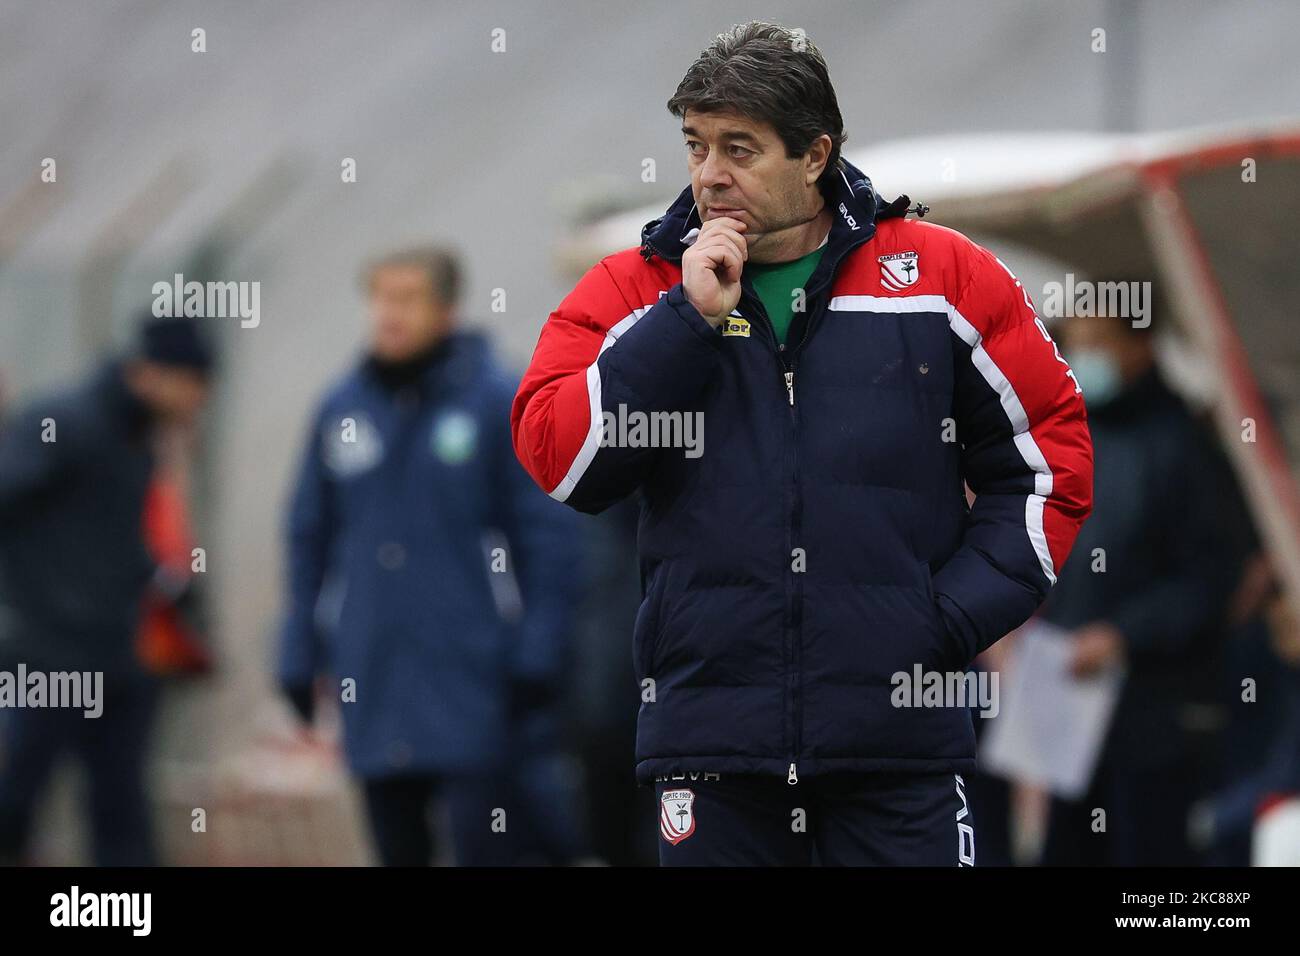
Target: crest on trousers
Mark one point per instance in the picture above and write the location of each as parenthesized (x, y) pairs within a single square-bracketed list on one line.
[(676, 815), (899, 270)]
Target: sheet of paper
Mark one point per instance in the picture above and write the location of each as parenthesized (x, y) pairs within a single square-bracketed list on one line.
[(1051, 725)]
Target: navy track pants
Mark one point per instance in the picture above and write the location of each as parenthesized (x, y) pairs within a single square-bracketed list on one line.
[(843, 819)]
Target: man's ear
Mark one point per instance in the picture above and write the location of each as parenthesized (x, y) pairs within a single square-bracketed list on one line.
[(819, 153)]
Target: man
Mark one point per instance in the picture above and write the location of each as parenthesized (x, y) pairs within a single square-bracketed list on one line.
[(75, 469), (1165, 524), (851, 369), (393, 591)]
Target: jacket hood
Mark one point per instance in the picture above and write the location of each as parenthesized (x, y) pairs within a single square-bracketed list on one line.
[(858, 204)]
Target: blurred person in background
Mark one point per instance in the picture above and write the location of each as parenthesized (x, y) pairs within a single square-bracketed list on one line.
[(1260, 684), (992, 797), (1277, 784), (408, 470), (1162, 518), (1261, 767), (75, 569), (603, 711)]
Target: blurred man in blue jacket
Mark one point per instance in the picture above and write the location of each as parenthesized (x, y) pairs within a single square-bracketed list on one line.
[(75, 467), (412, 530)]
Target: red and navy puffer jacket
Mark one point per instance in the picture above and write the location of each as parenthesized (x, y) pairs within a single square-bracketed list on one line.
[(822, 542)]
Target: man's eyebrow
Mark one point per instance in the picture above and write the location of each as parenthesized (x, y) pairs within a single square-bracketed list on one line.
[(732, 135)]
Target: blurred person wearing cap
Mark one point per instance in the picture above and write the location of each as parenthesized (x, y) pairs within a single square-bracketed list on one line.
[(407, 470), (75, 470), (1165, 518)]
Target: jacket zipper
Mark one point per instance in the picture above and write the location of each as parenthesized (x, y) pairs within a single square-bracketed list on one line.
[(786, 360), (789, 360), (794, 591), (795, 527)]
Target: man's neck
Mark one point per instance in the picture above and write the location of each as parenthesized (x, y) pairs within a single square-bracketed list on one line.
[(136, 411), (397, 373), (793, 242)]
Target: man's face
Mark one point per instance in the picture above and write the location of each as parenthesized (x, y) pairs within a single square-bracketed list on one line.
[(1129, 350), (405, 315), (174, 393), (739, 169)]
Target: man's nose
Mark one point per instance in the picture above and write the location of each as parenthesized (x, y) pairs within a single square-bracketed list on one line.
[(714, 172)]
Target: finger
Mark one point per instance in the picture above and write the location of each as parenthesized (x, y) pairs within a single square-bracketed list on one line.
[(724, 222), (725, 259), (727, 228), (734, 264), (732, 241), (740, 242)]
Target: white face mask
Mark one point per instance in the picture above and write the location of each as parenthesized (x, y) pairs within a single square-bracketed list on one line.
[(1097, 374)]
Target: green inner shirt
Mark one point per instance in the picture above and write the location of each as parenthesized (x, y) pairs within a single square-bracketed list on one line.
[(775, 283)]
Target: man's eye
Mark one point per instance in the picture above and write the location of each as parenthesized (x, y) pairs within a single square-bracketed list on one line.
[(739, 152), (692, 146)]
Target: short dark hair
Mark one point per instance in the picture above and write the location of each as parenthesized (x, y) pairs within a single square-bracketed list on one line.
[(440, 263), (769, 74)]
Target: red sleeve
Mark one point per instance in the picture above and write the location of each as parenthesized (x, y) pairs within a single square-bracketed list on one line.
[(1026, 453), (597, 352), (551, 415)]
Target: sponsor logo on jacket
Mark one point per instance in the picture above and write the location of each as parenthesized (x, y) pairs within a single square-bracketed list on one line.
[(732, 326)]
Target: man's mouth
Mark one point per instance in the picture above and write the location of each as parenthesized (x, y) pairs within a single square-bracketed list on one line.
[(724, 210)]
